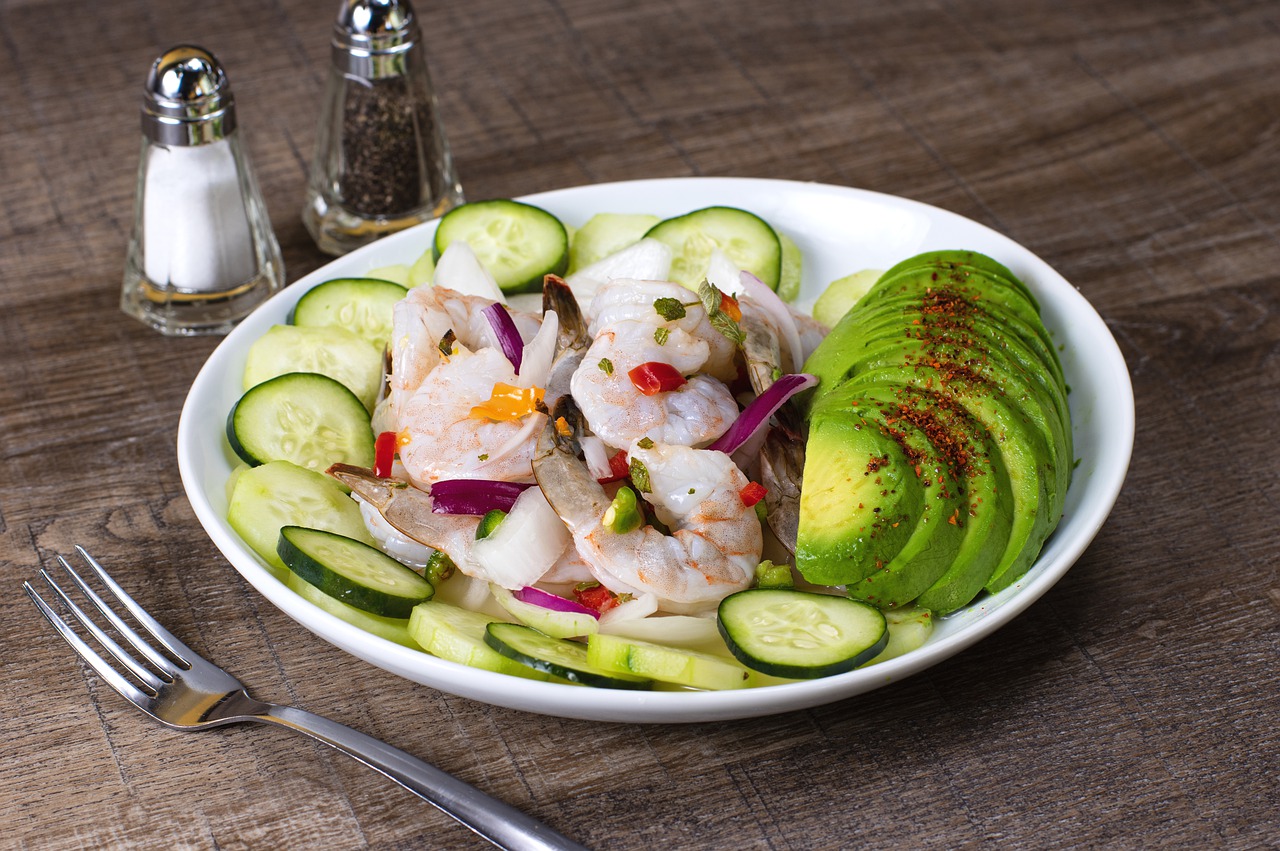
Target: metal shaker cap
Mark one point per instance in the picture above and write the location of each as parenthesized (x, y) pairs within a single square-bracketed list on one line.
[(371, 36), (187, 100)]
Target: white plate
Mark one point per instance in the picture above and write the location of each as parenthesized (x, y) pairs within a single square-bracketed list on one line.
[(839, 230)]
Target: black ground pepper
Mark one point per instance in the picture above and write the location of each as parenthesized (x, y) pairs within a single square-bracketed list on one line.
[(386, 131)]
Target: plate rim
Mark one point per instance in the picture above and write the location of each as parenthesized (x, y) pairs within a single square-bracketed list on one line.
[(668, 707)]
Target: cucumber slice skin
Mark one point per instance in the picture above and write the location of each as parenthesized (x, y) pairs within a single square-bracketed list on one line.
[(748, 240), (353, 572), (541, 240), (854, 633), (309, 419), (360, 305), (555, 656)]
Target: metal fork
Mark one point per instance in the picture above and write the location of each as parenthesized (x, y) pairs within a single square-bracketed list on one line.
[(184, 691)]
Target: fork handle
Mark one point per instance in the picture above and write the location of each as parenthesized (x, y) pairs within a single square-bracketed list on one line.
[(497, 822)]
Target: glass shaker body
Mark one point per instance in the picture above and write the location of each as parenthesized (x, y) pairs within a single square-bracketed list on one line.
[(202, 254), (382, 162)]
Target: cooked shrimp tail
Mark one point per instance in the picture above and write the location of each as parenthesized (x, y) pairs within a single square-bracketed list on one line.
[(781, 471), (408, 509), (573, 493), (761, 351), (573, 338), (557, 296)]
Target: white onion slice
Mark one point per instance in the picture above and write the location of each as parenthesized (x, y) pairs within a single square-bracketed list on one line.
[(459, 269), (535, 362), (638, 607), (596, 456), (527, 542), (678, 630), (646, 260), (724, 274)]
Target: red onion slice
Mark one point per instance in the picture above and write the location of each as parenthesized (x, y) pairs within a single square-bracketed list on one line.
[(474, 496), (554, 602), (757, 413), (504, 328)]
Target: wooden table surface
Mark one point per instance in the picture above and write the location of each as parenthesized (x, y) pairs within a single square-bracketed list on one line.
[(1134, 146)]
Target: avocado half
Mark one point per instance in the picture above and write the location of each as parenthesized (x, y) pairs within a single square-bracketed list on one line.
[(939, 449)]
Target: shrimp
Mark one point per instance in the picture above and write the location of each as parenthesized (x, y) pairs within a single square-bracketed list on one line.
[(422, 319), (628, 331), (431, 395), (716, 541)]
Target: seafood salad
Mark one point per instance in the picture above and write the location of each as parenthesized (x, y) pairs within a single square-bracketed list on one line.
[(595, 474)]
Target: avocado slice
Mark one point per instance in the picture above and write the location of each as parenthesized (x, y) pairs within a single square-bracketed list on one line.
[(936, 534), (975, 261), (986, 498), (860, 498)]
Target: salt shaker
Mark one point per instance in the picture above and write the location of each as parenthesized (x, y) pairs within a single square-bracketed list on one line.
[(381, 162), (202, 254)]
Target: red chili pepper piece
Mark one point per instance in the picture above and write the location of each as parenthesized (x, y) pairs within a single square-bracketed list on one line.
[(596, 597), (384, 454), (752, 493), (655, 377), (619, 467)]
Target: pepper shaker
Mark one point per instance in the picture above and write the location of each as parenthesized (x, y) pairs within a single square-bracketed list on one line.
[(202, 254), (381, 160)]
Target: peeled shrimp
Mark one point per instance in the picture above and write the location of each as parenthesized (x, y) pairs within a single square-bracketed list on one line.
[(431, 395), (628, 331), (716, 540)]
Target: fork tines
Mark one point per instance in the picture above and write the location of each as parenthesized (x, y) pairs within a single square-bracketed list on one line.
[(151, 679)]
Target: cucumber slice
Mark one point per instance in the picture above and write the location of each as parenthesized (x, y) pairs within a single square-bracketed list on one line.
[(278, 494), (392, 629), (744, 237), (397, 273), (909, 628), (517, 243), (353, 572), (606, 233), (360, 305), (335, 352), (303, 417), (666, 664), (547, 621), (790, 269), (422, 270), (558, 657), (800, 634), (457, 635), (842, 294)]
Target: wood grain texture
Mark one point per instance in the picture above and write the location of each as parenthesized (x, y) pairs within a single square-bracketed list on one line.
[(1134, 146)]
